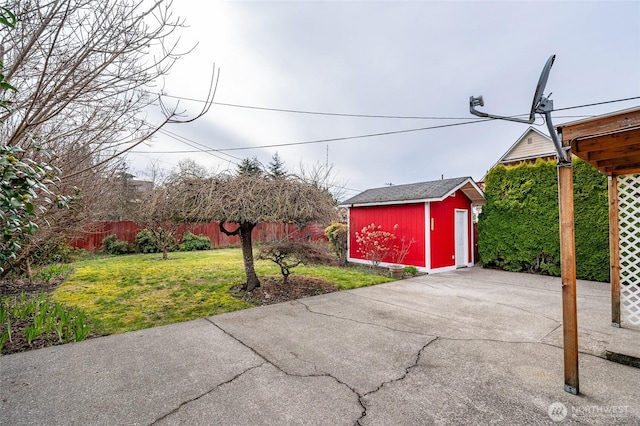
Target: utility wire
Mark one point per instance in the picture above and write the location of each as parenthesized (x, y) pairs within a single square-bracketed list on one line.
[(597, 103), (339, 114), (335, 114), (369, 135), (190, 142)]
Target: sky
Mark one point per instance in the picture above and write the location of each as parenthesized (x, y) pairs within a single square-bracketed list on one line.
[(400, 59)]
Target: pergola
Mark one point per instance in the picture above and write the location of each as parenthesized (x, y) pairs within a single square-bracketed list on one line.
[(611, 143)]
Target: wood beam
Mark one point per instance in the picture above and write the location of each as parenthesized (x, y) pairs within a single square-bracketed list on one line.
[(568, 269), (603, 124), (614, 250), (588, 143), (622, 161), (622, 169), (614, 153)]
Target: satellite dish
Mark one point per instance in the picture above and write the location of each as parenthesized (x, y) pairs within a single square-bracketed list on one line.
[(542, 82), (537, 98)]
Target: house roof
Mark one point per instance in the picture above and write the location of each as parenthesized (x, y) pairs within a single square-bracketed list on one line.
[(544, 150), (436, 190)]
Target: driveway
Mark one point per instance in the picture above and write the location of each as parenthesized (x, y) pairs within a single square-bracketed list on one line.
[(471, 346)]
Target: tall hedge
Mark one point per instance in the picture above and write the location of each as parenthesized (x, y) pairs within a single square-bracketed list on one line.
[(518, 229)]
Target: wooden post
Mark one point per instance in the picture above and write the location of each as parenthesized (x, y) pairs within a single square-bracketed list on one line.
[(568, 268), (614, 250)]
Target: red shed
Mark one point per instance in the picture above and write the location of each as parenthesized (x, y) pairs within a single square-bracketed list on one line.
[(436, 215)]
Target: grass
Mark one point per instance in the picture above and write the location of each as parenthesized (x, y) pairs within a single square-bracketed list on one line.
[(126, 293)]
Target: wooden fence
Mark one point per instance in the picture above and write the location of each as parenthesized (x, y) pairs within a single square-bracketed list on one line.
[(263, 232)]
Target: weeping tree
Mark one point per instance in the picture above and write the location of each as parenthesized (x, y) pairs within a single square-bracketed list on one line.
[(239, 202), (170, 206), (87, 78)]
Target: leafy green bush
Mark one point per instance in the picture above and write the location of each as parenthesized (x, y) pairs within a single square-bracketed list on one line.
[(191, 242), (146, 242), (112, 245), (518, 229), (411, 270)]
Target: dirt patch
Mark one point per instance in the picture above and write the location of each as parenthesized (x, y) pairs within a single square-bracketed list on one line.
[(272, 290), (11, 287)]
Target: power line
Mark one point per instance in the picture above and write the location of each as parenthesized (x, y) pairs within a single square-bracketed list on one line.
[(369, 135), (597, 103), (206, 149), (340, 114)]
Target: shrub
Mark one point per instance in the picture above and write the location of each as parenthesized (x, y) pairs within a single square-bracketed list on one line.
[(337, 234), (518, 229), (374, 243), (411, 270), (54, 252), (191, 242), (146, 242), (112, 245), (289, 254)]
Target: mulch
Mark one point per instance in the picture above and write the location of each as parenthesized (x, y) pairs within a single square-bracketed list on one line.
[(272, 290)]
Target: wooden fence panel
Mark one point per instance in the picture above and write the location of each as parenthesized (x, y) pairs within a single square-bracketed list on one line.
[(263, 232)]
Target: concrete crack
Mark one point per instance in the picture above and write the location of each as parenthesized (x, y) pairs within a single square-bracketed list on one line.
[(277, 367), (474, 300), (550, 333), (216, 387), (399, 379), (361, 322)]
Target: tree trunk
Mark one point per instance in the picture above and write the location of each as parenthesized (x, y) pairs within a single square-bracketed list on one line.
[(247, 256)]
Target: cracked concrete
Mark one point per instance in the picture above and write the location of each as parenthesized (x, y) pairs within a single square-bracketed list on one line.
[(470, 346)]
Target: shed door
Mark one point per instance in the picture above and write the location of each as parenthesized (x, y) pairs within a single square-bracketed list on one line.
[(462, 237)]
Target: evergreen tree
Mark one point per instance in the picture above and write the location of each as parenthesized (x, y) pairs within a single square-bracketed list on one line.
[(250, 167), (276, 167)]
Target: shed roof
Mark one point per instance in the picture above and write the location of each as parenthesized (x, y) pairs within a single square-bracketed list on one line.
[(436, 190)]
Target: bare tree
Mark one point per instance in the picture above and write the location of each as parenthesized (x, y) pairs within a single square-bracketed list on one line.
[(246, 200), (322, 176), (87, 76), (290, 254)]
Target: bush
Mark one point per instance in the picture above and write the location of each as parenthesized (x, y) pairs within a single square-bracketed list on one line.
[(112, 245), (191, 242), (411, 270), (146, 242), (337, 234), (518, 229), (289, 254)]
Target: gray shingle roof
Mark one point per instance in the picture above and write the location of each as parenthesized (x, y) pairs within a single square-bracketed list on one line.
[(414, 191)]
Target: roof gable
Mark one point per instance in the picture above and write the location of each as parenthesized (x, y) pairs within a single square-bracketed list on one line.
[(532, 144), (436, 190)]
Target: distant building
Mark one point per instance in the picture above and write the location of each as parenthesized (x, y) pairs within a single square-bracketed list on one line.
[(533, 144)]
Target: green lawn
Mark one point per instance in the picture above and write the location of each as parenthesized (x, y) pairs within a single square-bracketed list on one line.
[(125, 293)]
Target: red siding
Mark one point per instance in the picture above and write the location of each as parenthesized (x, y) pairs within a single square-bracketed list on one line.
[(411, 224), (92, 238), (443, 245)]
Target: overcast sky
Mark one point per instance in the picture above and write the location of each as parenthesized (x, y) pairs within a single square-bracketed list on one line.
[(390, 58)]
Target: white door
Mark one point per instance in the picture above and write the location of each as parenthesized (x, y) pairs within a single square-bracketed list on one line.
[(462, 238)]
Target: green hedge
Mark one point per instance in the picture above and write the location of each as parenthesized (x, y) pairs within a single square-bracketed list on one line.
[(518, 228)]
